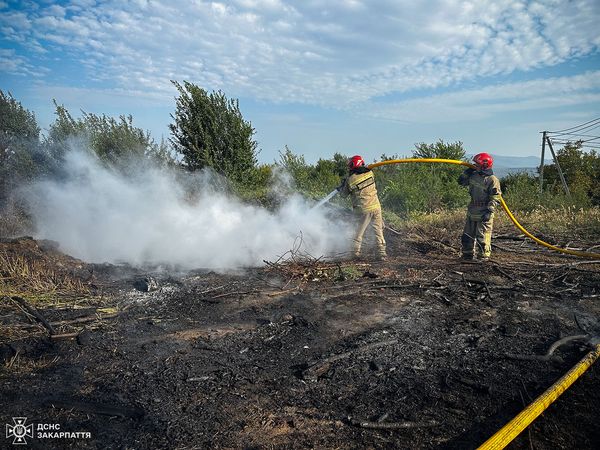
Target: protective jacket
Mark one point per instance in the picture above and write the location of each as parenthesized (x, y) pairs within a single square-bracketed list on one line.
[(484, 188), (360, 185)]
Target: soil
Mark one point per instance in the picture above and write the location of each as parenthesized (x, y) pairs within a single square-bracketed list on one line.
[(299, 354)]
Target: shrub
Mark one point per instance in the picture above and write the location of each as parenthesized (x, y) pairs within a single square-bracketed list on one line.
[(581, 171), (410, 189), (522, 193), (19, 144), (317, 180), (114, 141)]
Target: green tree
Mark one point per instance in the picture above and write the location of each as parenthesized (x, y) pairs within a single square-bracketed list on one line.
[(210, 131), (314, 180), (16, 124), (408, 189), (581, 171), (440, 149), (114, 141), (20, 155)]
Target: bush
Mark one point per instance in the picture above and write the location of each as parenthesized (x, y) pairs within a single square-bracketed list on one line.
[(410, 189), (314, 181), (581, 171), (114, 141), (257, 187), (19, 145), (522, 193)]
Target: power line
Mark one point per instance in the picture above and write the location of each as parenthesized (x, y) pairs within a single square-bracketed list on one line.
[(577, 126), (579, 135), (587, 129), (567, 139), (590, 146)]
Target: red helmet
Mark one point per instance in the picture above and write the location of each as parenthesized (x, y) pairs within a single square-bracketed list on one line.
[(355, 162), (484, 160)]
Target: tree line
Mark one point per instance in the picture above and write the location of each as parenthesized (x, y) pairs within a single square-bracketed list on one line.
[(208, 130)]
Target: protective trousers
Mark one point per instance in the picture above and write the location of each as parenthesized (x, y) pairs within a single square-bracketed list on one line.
[(376, 220), (480, 233)]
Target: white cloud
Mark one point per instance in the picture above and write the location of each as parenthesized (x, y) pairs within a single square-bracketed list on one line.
[(483, 103), (334, 55), (14, 64)]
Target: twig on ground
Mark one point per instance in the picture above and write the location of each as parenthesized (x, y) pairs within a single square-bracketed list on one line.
[(549, 354), (578, 323), (391, 425), (287, 291), (474, 384), (77, 320), (34, 312), (85, 319), (397, 233), (227, 294), (212, 289), (65, 335), (489, 293), (502, 272), (510, 237), (321, 367)]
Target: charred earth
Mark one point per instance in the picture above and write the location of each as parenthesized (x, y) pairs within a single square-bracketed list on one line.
[(420, 351)]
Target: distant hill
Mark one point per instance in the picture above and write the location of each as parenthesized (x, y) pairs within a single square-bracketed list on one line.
[(504, 165)]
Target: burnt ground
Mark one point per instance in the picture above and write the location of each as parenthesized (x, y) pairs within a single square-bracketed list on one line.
[(295, 355)]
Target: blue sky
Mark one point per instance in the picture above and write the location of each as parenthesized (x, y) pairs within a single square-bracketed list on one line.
[(354, 76)]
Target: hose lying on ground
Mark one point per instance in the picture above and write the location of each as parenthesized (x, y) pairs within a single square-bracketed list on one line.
[(502, 202), (513, 428)]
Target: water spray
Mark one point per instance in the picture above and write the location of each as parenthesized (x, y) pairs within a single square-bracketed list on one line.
[(326, 199)]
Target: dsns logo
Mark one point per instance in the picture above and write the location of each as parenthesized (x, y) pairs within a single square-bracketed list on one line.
[(19, 431)]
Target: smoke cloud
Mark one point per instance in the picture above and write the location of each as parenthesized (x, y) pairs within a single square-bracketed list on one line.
[(146, 217)]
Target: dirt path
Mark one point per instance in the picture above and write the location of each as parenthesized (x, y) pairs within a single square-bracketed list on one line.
[(294, 357)]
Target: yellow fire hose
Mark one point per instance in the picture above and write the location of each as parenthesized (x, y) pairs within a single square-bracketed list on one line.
[(512, 429), (502, 202)]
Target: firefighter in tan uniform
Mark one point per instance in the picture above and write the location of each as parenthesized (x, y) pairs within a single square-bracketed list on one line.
[(360, 186), (484, 188)]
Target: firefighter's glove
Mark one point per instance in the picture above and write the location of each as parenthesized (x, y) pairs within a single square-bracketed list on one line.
[(487, 215), (339, 188), (463, 179)]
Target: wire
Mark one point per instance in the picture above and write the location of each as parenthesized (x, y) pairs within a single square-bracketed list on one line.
[(594, 145), (577, 132), (578, 135), (577, 126)]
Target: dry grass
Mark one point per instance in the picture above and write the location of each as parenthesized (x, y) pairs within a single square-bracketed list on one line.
[(577, 223), (560, 226), (18, 365), (22, 276)]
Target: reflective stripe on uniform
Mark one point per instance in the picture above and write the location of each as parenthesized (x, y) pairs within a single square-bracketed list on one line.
[(362, 181)]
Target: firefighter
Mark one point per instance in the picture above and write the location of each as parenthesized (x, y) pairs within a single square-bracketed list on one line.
[(360, 186), (484, 188)]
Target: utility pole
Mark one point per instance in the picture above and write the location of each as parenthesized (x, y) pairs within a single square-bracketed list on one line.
[(560, 172), (542, 163)]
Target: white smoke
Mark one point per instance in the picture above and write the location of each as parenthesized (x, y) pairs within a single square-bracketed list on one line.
[(147, 217)]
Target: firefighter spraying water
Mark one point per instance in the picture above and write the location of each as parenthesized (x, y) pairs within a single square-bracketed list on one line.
[(485, 192)]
